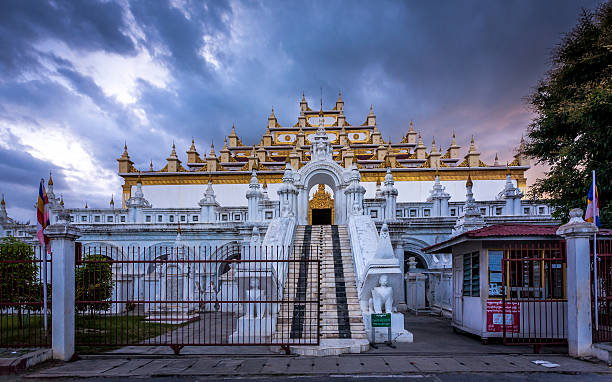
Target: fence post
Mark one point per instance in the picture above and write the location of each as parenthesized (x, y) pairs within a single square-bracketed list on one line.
[(62, 236), (577, 233)]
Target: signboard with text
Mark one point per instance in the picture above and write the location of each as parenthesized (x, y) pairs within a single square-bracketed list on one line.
[(495, 316), (381, 320)]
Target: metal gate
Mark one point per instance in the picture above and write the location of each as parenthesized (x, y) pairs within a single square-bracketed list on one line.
[(534, 299), (181, 296), (602, 306)]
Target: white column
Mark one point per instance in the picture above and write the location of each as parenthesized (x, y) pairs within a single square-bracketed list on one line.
[(62, 236), (577, 233)]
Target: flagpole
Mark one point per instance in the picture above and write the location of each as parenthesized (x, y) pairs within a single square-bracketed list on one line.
[(44, 256), (596, 280)]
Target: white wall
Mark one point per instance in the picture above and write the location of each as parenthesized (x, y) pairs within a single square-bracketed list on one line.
[(418, 191)]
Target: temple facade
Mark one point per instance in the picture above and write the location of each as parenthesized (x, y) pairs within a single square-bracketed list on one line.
[(320, 170)]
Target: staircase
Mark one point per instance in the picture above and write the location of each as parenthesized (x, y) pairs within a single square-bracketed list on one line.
[(341, 322)]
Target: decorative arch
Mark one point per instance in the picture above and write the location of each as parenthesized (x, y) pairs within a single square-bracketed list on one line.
[(321, 172), (321, 200)]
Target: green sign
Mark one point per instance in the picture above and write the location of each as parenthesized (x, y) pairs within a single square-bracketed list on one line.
[(381, 320)]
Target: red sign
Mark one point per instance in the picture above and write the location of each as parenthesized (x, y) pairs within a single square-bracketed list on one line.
[(495, 315)]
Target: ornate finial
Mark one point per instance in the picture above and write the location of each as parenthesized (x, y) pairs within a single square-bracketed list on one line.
[(3, 203), (453, 143), (371, 109), (469, 181), (86, 205), (225, 144), (411, 128), (112, 202), (125, 147), (340, 96), (272, 116), (50, 183), (173, 153), (212, 149), (303, 98), (192, 148), (151, 165), (420, 141), (178, 227), (496, 158), (61, 200), (472, 146), (433, 143), (233, 130)]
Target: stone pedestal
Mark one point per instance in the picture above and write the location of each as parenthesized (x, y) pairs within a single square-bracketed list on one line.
[(253, 330), (398, 333)]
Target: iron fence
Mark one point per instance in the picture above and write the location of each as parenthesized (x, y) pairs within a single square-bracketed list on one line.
[(197, 296), (534, 301), (25, 315), (601, 282)]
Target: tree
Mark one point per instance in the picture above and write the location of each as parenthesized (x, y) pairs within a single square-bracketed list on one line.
[(94, 283), (20, 288), (572, 132)]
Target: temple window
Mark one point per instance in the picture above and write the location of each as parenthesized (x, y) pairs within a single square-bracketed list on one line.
[(171, 218), (183, 218), (413, 213), (195, 218), (237, 217), (498, 211), (453, 212), (83, 218), (269, 215), (148, 218), (471, 274), (224, 217), (483, 211), (399, 213), (374, 214), (122, 218), (160, 218), (71, 219), (526, 211), (426, 212), (109, 219), (97, 219), (541, 210)]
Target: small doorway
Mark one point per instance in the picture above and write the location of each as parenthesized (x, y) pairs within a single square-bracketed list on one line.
[(321, 216), (321, 207)]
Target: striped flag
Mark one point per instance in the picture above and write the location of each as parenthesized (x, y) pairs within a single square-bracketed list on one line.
[(592, 211), (42, 216)]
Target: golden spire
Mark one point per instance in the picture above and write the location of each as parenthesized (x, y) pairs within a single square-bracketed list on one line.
[(125, 154), (469, 181), (50, 183), (62, 200), (224, 144), (496, 158), (433, 144), (151, 165), (453, 143), (86, 205), (420, 141), (371, 110), (112, 202), (192, 148), (212, 149), (233, 133), (272, 116), (173, 152), (178, 227), (3, 203), (339, 97), (411, 128), (303, 98), (507, 168)]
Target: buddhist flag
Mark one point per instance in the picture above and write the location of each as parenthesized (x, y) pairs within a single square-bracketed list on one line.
[(42, 215), (592, 211)]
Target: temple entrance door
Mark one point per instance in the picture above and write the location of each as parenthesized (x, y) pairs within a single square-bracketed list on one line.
[(321, 216), (321, 207)]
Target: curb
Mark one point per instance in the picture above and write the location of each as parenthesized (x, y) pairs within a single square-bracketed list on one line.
[(26, 361)]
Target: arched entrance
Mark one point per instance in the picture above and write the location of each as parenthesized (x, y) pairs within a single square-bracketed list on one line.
[(321, 207)]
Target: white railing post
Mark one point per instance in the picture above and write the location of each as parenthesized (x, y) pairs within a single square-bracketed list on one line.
[(62, 236), (577, 233)]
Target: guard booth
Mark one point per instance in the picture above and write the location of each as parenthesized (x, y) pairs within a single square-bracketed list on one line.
[(509, 282)]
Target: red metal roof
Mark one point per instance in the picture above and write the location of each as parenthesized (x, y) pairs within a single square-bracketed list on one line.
[(514, 230)]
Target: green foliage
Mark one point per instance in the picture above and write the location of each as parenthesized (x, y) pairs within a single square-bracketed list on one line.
[(94, 283), (19, 281), (573, 128)]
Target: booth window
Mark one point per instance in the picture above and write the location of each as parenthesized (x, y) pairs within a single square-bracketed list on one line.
[(536, 273), (495, 273), (471, 274)]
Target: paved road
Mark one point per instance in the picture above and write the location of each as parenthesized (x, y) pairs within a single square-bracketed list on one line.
[(437, 354)]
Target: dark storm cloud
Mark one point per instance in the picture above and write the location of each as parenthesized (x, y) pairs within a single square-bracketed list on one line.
[(463, 66), (85, 25)]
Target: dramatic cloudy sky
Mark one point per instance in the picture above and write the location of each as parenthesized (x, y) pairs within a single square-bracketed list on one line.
[(78, 78)]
